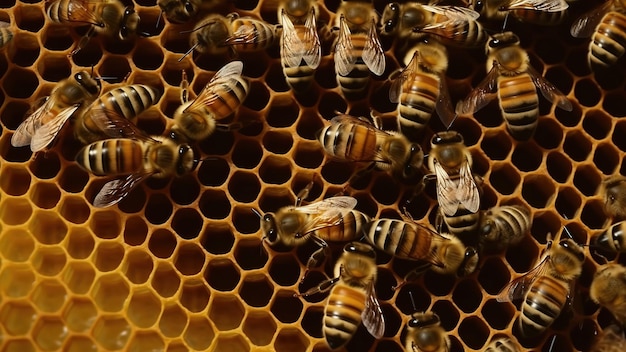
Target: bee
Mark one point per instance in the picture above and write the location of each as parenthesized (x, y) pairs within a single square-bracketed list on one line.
[(218, 35), (357, 48), (612, 239), (300, 46), (69, 97), (608, 289), (421, 88), (515, 81), (196, 119), (352, 298), (503, 226), (6, 34), (109, 17), (457, 191), (613, 190), (539, 12), (610, 340), (127, 101), (604, 26), (453, 25), (425, 333), (503, 344), (355, 139), (182, 11), (546, 288)]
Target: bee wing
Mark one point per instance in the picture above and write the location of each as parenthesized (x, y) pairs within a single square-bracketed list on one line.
[(344, 57), (396, 84), (480, 96), (549, 91), (453, 13), (585, 25), (231, 71), (538, 5), (468, 193), (46, 133), (444, 107), (246, 34), (372, 315), (327, 212), (115, 125), (25, 131), (373, 54), (518, 288), (4, 24), (114, 191), (313, 52), (291, 47), (343, 118), (446, 190), (80, 11)]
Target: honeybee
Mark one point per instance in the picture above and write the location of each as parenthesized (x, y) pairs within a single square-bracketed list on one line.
[(425, 333), (612, 239), (69, 97), (540, 12), (503, 344), (515, 81), (127, 101), (352, 298), (217, 34), (613, 190), (608, 289), (421, 88), (196, 119), (6, 34), (300, 46), (181, 11), (610, 340), (355, 139), (546, 288), (110, 17), (453, 25), (357, 48), (503, 226)]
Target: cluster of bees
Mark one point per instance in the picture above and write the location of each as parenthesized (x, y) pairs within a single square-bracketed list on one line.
[(115, 146)]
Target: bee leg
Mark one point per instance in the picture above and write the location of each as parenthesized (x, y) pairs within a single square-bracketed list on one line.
[(317, 257), (304, 193), (84, 41), (322, 287), (413, 275), (184, 88), (439, 222)]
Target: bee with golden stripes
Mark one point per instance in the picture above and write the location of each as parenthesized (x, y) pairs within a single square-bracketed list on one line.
[(68, 98), (357, 48), (453, 25), (515, 81), (352, 298), (503, 226), (300, 46), (109, 17), (420, 89), (605, 25), (608, 289), (613, 239), (196, 119), (182, 11), (611, 339), (216, 35), (538, 12), (503, 344), (127, 101), (425, 334), (6, 34), (613, 191), (546, 288), (350, 138)]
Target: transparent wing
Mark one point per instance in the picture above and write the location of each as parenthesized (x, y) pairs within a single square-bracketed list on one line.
[(467, 191), (48, 131), (25, 131), (114, 191), (372, 315), (246, 34), (396, 85), (446, 190), (585, 25), (549, 91), (480, 96), (344, 58), (80, 12), (538, 5), (373, 54), (115, 125), (327, 212), (453, 13), (518, 288), (313, 47), (224, 79), (343, 118), (291, 47), (444, 107)]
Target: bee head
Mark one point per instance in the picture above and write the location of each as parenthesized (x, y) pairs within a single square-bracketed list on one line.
[(130, 22), (186, 161), (86, 80), (422, 320), (502, 40), (446, 137), (390, 17), (361, 249)]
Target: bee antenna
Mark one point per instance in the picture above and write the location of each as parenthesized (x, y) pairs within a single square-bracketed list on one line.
[(159, 19), (189, 52), (552, 343), (606, 261), (451, 122), (412, 301), (257, 213), (506, 18)]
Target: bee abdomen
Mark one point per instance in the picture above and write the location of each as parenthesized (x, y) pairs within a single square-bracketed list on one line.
[(129, 101), (265, 34), (228, 100), (463, 222), (299, 78), (111, 157), (397, 238), (542, 305), (348, 141), (607, 44), (342, 315), (417, 103), (356, 81), (347, 230), (612, 238), (520, 105)]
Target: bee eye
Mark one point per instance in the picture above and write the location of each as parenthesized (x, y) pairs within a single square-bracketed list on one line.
[(478, 6)]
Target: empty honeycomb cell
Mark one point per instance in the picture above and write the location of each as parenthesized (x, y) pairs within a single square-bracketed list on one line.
[(19, 345), (144, 308), (189, 259), (226, 312), (567, 202), (308, 155), (549, 133), (217, 238), (247, 154), (105, 224), (312, 321), (54, 67), (146, 341), (291, 340), (108, 256), (45, 195), (606, 158), (135, 231), (115, 67), (385, 284), (49, 295), (256, 290), (187, 223), (137, 266), (78, 276), (338, 172), (285, 307), (245, 220), (568, 118), (577, 146), (497, 315), (438, 284), (524, 256), (49, 261), (490, 117), (496, 145), (562, 79), (80, 243), (57, 38), (184, 190), (232, 342), (194, 295), (158, 209), (274, 170), (496, 277), (13, 113), (330, 103), (199, 333), (49, 333), (587, 92), (74, 209), (79, 314), (15, 180), (45, 165), (597, 123), (613, 104), (393, 320), (111, 332), (17, 317), (147, 55), (213, 172), (29, 82), (275, 78), (277, 142), (16, 245), (527, 157), (578, 336), (173, 320), (284, 269), (110, 292), (165, 281), (593, 214), (559, 166), (162, 243), (250, 254), (214, 204), (73, 179), (467, 295), (538, 190), (504, 178), (244, 186), (419, 302), (447, 313), (80, 343), (258, 96), (587, 179)]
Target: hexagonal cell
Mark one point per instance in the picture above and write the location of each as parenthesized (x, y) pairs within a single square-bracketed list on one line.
[(17, 317), (277, 142), (80, 243), (496, 145), (16, 245), (222, 274), (108, 256), (74, 209), (577, 146), (185, 189), (247, 154), (504, 178), (106, 224), (308, 155), (45, 195), (597, 123), (137, 266), (80, 344), (606, 158), (587, 92), (144, 308), (498, 315), (593, 214), (549, 133), (110, 292), (275, 170), (146, 341), (214, 204), (199, 333), (187, 223), (15, 211), (260, 327), (559, 166), (135, 231), (467, 295), (49, 295), (158, 209), (165, 280), (173, 321), (226, 312), (49, 333), (111, 332), (217, 238), (245, 220), (49, 261), (195, 295), (284, 269), (494, 279), (79, 314), (19, 345), (213, 172), (47, 227), (527, 157), (256, 290), (286, 307), (162, 243), (189, 259), (613, 103), (524, 256), (438, 284), (538, 190), (448, 314), (250, 254), (290, 339), (45, 165), (78, 276), (26, 77), (568, 202)]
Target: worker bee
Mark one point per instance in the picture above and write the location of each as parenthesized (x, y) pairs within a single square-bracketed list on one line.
[(539, 12), (613, 190), (69, 97), (515, 81), (196, 119), (6, 34), (127, 101), (453, 25), (604, 26), (503, 344), (217, 35), (352, 298), (612, 239), (503, 226), (110, 17), (611, 339), (181, 11), (355, 139), (421, 88), (608, 289), (300, 46), (546, 288), (425, 333), (357, 48)]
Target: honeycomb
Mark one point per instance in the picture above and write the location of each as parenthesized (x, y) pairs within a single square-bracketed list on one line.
[(180, 263)]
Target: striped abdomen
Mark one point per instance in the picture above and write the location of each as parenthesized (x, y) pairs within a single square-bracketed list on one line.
[(299, 78), (349, 141), (342, 314), (354, 84), (465, 33), (608, 41), (348, 230), (69, 11), (463, 222), (261, 37), (417, 103), (612, 239), (112, 157), (542, 305), (398, 238), (540, 17), (519, 103), (229, 99)]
